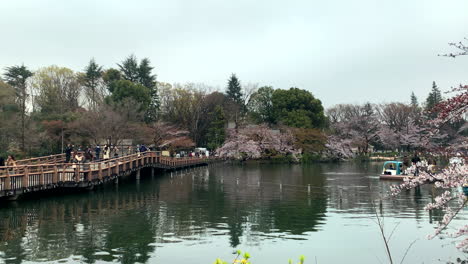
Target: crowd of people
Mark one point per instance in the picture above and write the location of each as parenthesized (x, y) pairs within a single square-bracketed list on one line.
[(197, 154), (82, 155)]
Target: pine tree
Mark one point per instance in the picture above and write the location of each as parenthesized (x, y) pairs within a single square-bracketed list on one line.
[(434, 98), (129, 68), (414, 100), (145, 76), (216, 132), (92, 79), (17, 76), (234, 90), (142, 74), (148, 79)]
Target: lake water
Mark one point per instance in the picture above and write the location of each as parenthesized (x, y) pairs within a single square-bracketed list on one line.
[(200, 214)]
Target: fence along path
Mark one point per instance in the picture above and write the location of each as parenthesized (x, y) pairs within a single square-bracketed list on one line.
[(51, 172)]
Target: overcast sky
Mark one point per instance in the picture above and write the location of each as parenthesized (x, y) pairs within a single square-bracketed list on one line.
[(342, 51)]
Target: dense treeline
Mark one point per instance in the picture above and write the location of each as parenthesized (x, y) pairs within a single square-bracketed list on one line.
[(42, 111)]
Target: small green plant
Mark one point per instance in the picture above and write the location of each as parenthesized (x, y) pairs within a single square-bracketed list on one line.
[(301, 260), (244, 259)]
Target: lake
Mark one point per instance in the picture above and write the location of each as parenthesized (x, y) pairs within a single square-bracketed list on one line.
[(275, 212)]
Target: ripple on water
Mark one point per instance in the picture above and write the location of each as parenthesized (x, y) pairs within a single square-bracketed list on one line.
[(133, 222)]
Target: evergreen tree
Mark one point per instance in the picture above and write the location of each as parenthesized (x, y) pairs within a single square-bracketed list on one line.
[(234, 90), (414, 100), (142, 74), (129, 68), (17, 76), (298, 108), (147, 79), (260, 105), (434, 98), (216, 131), (109, 77), (92, 79), (145, 76)]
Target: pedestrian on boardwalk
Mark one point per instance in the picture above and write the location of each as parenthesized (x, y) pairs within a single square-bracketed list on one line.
[(88, 155), (79, 158), (2, 161), (11, 162), (97, 150), (129, 150), (106, 154), (68, 153), (143, 148), (116, 152)]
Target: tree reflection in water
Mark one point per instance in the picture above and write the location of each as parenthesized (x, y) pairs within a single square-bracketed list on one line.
[(126, 223)]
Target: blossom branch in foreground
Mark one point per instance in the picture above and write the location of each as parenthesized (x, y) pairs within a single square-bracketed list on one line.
[(450, 179)]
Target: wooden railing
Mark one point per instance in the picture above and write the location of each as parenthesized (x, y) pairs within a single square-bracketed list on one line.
[(53, 172), (41, 160)]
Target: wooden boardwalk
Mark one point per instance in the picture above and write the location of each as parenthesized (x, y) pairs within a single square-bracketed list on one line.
[(50, 172)]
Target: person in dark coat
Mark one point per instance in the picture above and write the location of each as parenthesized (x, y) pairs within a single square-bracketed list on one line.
[(97, 150), (416, 160), (2, 161), (68, 152), (143, 148)]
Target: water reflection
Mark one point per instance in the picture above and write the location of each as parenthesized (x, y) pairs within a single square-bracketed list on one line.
[(255, 203)]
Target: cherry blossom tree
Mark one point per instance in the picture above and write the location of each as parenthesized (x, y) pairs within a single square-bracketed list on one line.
[(355, 125), (450, 179), (257, 141)]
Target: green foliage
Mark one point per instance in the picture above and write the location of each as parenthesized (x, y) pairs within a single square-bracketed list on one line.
[(244, 259), (7, 99), (261, 106), (142, 74), (93, 74), (298, 108), (311, 157), (216, 131), (110, 76), (145, 75), (8, 113), (58, 88), (16, 76), (92, 80), (234, 90), (414, 100), (129, 69), (125, 89), (434, 98), (310, 140), (297, 118), (281, 158)]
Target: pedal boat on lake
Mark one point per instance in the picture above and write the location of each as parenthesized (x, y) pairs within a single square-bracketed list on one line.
[(393, 170)]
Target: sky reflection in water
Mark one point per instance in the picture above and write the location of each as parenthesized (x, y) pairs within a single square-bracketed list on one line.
[(200, 214)]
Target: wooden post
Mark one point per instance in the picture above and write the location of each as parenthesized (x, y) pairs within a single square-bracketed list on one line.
[(100, 170), (25, 179), (41, 176), (8, 180), (55, 179), (77, 173)]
